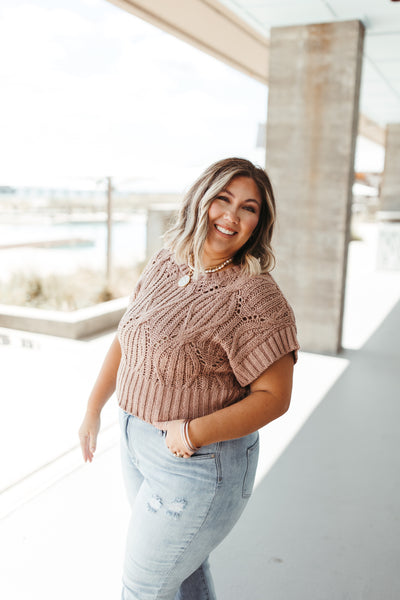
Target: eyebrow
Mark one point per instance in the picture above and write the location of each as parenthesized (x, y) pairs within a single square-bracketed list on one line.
[(248, 199)]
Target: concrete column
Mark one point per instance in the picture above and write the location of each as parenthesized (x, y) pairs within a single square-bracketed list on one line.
[(159, 219), (390, 189), (389, 214), (315, 73)]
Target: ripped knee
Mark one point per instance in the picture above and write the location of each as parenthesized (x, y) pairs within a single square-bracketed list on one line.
[(173, 509)]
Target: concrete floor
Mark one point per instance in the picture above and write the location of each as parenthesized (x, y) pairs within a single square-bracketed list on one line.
[(323, 521)]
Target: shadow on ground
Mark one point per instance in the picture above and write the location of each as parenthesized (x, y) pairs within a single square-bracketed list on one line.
[(324, 522)]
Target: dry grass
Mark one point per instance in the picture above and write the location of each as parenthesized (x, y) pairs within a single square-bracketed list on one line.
[(81, 289)]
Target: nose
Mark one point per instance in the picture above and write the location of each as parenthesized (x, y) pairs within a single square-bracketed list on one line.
[(231, 215)]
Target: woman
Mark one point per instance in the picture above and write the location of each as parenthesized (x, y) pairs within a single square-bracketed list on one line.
[(203, 358)]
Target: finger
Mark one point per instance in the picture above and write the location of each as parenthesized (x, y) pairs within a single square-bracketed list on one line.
[(83, 443), (87, 450), (93, 443), (180, 453), (89, 453)]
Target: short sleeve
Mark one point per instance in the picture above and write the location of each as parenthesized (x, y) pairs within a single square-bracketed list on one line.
[(262, 330)]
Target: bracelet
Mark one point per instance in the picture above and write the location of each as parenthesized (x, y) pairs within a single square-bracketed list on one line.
[(185, 436), (189, 441)]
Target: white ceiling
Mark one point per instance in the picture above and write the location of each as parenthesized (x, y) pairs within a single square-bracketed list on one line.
[(380, 86)]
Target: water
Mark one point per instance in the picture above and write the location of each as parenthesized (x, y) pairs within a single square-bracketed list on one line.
[(128, 246)]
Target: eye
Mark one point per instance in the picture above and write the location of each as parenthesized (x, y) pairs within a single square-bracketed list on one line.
[(224, 198), (250, 209)]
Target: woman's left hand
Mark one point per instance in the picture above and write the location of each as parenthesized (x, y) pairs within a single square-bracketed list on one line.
[(174, 439)]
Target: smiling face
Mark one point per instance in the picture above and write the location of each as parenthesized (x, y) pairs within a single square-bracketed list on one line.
[(232, 217)]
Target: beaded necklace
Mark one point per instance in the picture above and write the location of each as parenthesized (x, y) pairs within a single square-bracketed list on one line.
[(185, 280)]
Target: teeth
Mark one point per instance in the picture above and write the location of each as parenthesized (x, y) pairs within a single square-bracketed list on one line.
[(222, 230)]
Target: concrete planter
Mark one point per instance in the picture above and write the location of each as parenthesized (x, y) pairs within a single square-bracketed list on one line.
[(78, 324)]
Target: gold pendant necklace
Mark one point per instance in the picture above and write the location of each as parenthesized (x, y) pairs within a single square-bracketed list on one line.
[(185, 280)]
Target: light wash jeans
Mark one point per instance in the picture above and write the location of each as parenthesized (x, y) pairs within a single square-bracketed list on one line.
[(182, 508)]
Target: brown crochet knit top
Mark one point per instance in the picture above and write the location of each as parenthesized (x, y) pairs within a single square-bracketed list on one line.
[(189, 351)]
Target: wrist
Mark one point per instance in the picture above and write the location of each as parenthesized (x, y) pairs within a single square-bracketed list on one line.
[(194, 433), (93, 411)]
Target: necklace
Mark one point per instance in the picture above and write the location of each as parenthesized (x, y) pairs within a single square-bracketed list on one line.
[(185, 280)]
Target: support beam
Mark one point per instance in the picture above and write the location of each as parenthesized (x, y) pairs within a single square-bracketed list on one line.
[(209, 26), (315, 73), (371, 130)]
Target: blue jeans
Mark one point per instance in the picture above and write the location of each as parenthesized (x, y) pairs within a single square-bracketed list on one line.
[(182, 508)]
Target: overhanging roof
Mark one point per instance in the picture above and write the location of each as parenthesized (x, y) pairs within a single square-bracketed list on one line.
[(236, 32), (211, 27)]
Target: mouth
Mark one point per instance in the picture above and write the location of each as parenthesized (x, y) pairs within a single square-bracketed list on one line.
[(225, 231)]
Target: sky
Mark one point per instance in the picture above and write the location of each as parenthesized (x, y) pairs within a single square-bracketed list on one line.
[(90, 91)]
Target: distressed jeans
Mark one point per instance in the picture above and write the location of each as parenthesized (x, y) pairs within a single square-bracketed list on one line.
[(182, 508)]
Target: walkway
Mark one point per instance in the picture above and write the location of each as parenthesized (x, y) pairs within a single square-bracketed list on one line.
[(324, 522)]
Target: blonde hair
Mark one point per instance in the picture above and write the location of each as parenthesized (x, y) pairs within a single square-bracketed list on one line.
[(187, 237)]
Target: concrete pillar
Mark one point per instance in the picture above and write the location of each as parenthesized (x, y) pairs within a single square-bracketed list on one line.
[(389, 214), (390, 189), (159, 219), (315, 73)]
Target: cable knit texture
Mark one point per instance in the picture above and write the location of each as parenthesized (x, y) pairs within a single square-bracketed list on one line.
[(189, 351)]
